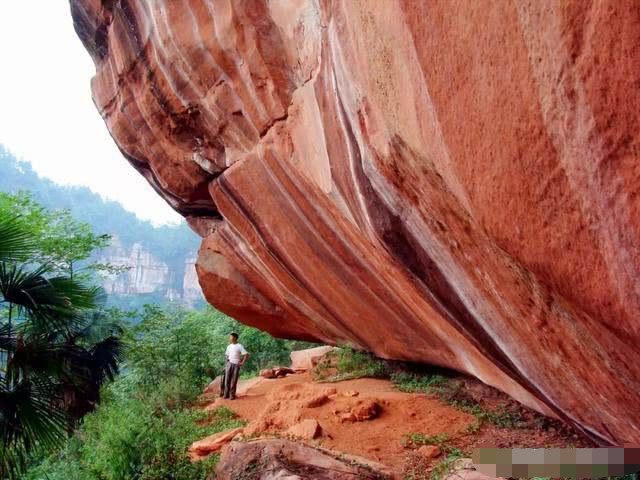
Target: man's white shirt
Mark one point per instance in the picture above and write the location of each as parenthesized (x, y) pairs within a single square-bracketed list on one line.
[(235, 352)]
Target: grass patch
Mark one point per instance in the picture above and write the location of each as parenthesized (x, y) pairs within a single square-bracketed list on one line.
[(443, 467), (349, 364), (415, 440), (413, 383)]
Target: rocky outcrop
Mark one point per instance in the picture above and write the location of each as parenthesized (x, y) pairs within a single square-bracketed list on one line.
[(308, 358), (444, 182), (274, 458), (212, 444), (144, 274)]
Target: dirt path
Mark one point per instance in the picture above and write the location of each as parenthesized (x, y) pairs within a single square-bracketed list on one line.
[(272, 406)]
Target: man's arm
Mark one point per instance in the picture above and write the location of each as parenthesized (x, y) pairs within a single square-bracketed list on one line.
[(244, 358)]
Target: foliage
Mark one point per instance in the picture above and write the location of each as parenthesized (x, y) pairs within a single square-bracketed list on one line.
[(146, 421), (61, 242), (419, 439), (412, 383), (176, 341), (351, 363), (129, 438), (54, 352)]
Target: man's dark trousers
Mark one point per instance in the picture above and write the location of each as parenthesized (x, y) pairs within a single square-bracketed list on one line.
[(230, 379)]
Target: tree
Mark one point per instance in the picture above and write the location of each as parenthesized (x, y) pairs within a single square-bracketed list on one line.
[(60, 241), (55, 351)]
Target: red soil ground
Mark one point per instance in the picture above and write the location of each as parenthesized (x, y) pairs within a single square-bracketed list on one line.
[(272, 406)]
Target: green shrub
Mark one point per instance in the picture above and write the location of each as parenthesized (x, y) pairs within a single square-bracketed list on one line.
[(413, 383), (137, 437)]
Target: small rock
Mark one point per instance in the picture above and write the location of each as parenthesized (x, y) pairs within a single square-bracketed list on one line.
[(347, 417), (367, 410), (429, 451), (316, 401), (330, 391), (307, 429), (350, 393), (268, 373)]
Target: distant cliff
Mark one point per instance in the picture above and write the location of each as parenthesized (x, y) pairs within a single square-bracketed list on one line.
[(150, 275), (161, 259)]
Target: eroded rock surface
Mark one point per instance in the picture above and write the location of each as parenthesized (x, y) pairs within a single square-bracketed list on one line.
[(445, 182), (274, 458)]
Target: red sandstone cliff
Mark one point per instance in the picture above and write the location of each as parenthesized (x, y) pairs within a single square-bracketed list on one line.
[(446, 182)]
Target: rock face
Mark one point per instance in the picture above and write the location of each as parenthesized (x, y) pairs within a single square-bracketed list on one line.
[(444, 182)]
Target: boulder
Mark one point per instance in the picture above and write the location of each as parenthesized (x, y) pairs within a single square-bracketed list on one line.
[(214, 386), (212, 444), (309, 358), (437, 182), (270, 459), (307, 429)]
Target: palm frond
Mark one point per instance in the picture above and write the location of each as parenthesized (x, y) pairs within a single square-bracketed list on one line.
[(29, 417), (16, 242), (46, 301)]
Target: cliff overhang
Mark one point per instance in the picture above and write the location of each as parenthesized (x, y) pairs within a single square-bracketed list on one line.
[(452, 183)]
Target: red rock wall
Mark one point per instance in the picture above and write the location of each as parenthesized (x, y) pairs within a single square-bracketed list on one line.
[(445, 182)]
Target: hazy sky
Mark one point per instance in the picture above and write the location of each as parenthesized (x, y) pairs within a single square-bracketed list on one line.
[(47, 116)]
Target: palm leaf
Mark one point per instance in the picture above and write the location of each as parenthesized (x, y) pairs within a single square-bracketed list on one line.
[(29, 417), (46, 301), (16, 242)]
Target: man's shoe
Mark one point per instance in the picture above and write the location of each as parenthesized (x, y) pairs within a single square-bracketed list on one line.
[(232, 397), (226, 396)]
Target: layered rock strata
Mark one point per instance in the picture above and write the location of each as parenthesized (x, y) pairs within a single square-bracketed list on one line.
[(445, 182)]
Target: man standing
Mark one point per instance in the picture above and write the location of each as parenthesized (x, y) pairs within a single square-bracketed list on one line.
[(235, 356)]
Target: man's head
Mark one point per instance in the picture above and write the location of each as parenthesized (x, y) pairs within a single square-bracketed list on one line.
[(233, 337)]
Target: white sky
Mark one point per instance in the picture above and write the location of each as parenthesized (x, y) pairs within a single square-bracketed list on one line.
[(47, 116)]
